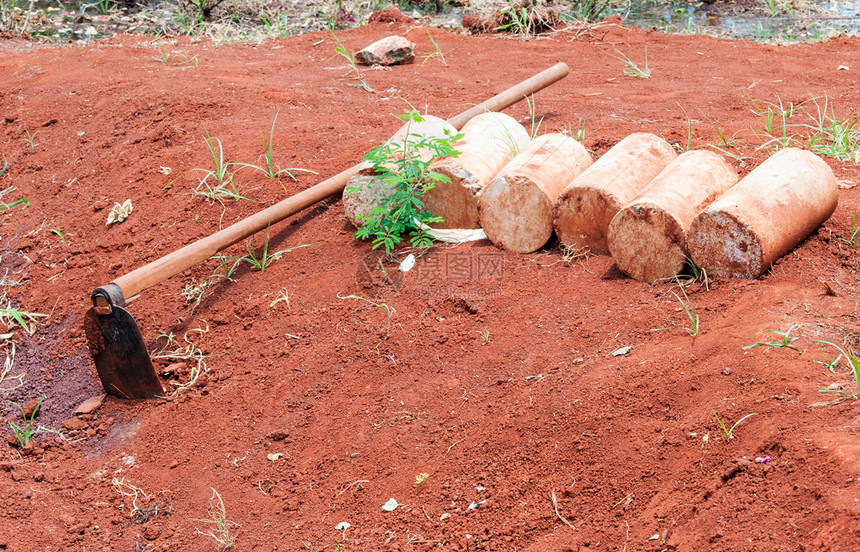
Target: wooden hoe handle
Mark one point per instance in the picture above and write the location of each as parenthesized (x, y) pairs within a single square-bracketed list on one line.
[(161, 269)]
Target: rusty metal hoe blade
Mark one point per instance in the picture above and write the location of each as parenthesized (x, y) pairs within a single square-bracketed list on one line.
[(117, 347)]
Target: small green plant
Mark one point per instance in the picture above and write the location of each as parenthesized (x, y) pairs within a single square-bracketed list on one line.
[(631, 69), (58, 232), (12, 317), (485, 336), (401, 165), (9, 190), (535, 126), (438, 52), (579, 133), (590, 10), (421, 478), (787, 340), (179, 59), (264, 259), (772, 7), (854, 363), (729, 432), (691, 314), (225, 268), (853, 238), (831, 136), (519, 21), (341, 51), (269, 170), (221, 527), (769, 112), (283, 297), (689, 128), (31, 138), (24, 433)]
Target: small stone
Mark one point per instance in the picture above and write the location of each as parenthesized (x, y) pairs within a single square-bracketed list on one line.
[(38, 477), (74, 424), (275, 456), (151, 532), (444, 516), (390, 506), (90, 405), (391, 50), (28, 408), (174, 464)]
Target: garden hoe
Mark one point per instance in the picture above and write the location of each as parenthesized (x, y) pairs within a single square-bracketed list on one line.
[(114, 338)]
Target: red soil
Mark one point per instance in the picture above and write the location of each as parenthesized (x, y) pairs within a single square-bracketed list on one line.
[(499, 385)]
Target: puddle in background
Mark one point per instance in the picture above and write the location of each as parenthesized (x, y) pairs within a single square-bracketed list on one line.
[(830, 19)]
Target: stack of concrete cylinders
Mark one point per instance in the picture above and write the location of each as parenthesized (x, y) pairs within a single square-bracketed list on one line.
[(764, 216), (515, 209), (489, 142), (648, 237), (586, 207), (365, 191)]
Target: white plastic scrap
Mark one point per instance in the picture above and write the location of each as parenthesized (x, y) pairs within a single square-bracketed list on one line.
[(407, 263), (390, 506), (343, 526), (621, 351), (120, 212), (453, 235)]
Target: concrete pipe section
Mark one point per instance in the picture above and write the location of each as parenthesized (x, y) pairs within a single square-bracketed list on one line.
[(648, 237), (586, 207), (490, 141), (764, 216), (516, 207)]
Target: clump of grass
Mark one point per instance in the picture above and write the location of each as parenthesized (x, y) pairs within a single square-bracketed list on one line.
[(854, 364), (729, 432), (30, 138), (693, 329), (342, 51), (220, 527), (853, 238), (261, 261), (268, 154), (519, 21), (438, 52), (7, 191), (631, 69), (786, 341), (25, 433)]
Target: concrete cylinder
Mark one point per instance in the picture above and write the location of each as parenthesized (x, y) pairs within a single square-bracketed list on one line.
[(365, 192), (764, 216), (648, 237), (516, 207), (489, 142), (585, 208)]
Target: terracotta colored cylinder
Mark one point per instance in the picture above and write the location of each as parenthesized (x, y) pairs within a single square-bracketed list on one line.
[(516, 207), (365, 192), (489, 142), (764, 216), (586, 207), (648, 237)]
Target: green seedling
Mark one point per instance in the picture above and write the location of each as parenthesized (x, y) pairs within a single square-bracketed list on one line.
[(31, 138), (831, 136), (729, 432), (579, 133), (772, 7), (769, 113), (268, 146), (341, 51), (631, 69), (689, 128), (520, 21), (178, 59), (421, 478), (5, 166), (787, 340), (225, 269), (438, 52), (225, 190), (485, 336), (853, 238), (12, 317), (58, 232), (691, 315), (830, 364), (406, 174), (854, 363), (535, 126), (24, 433), (9, 190), (262, 261)]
